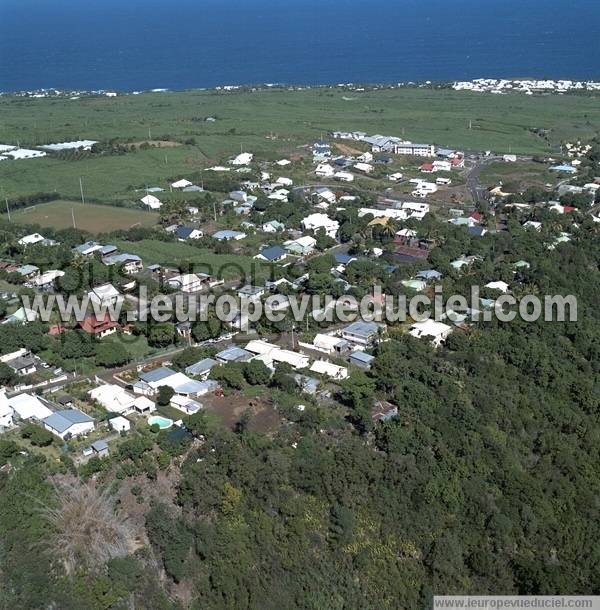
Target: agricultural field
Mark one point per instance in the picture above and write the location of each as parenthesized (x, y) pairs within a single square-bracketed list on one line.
[(270, 123), (89, 217)]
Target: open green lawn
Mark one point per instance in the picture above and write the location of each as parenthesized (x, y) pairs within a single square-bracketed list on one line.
[(89, 217), (178, 254), (270, 123), (520, 175)]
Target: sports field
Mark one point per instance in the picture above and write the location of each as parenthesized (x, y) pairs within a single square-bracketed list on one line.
[(89, 217), (269, 123)]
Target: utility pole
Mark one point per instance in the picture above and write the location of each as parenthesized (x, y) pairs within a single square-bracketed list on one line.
[(73, 218), (215, 210), (149, 133), (81, 190), (470, 124), (7, 208)]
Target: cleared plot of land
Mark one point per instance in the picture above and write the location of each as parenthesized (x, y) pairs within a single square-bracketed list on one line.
[(516, 175), (192, 259), (269, 123), (89, 217)]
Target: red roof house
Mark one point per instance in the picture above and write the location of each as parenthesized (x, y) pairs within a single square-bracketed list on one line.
[(99, 327)]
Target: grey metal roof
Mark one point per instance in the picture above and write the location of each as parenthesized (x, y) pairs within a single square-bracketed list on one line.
[(157, 374), (362, 357), (61, 421), (201, 367), (99, 446), (273, 253), (234, 353), (362, 328)]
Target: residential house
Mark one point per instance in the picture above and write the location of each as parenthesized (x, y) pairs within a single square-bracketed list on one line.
[(233, 353), (253, 293), (100, 448), (87, 249), (151, 201), (322, 367), (361, 359), (275, 353), (328, 344), (322, 193), (28, 272), (324, 170), (344, 176), (105, 295), (69, 423), (242, 159), (131, 262), (113, 398), (36, 238), (303, 246), (181, 184), (186, 404), (362, 332), (183, 233), (228, 234), (46, 281), (273, 226), (202, 368), (119, 424), (190, 282), (21, 362), (435, 332), (99, 327), (314, 222), (28, 406), (273, 254), (365, 168)]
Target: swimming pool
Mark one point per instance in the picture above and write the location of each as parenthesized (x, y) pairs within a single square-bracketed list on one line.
[(164, 423)]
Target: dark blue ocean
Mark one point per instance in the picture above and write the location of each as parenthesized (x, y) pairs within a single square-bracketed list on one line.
[(142, 44)]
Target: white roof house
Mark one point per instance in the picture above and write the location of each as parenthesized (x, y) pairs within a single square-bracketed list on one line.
[(328, 344), (27, 406), (181, 184), (34, 238), (154, 203), (297, 361), (366, 168), (46, 279), (324, 170), (243, 159), (501, 286), (6, 412), (113, 398), (314, 222), (436, 332), (344, 176), (104, 295), (331, 370), (189, 282), (119, 424)]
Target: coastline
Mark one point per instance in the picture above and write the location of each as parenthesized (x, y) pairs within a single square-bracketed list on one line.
[(480, 85)]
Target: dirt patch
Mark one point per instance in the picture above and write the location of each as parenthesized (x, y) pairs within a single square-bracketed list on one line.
[(348, 150), (230, 410)]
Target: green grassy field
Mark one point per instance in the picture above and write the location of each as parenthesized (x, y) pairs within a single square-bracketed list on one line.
[(518, 175), (174, 254), (269, 123), (89, 217)]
